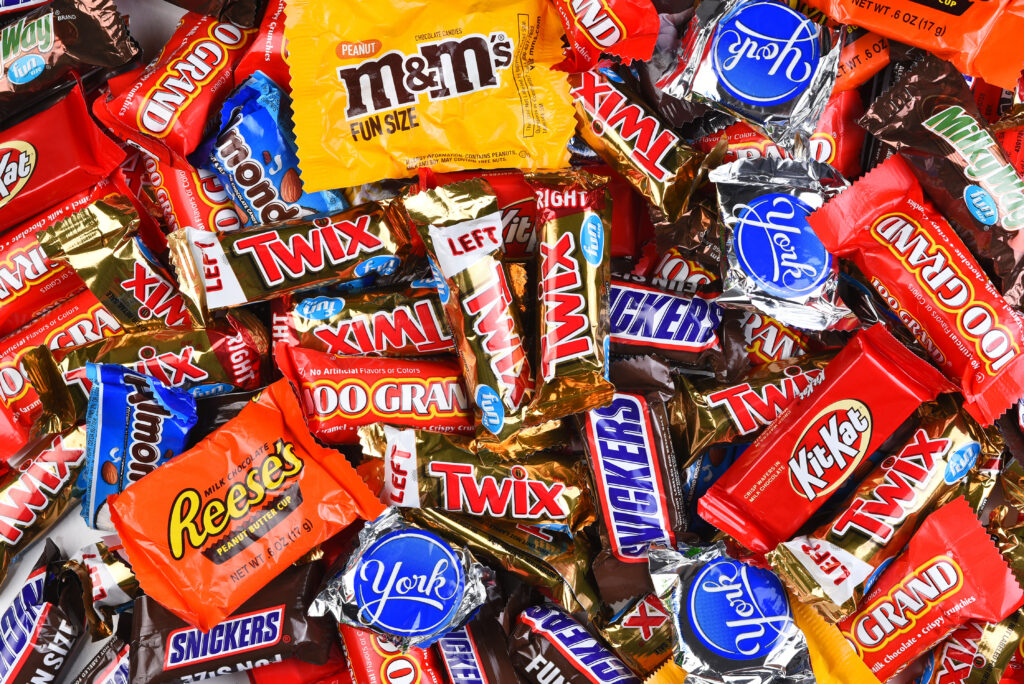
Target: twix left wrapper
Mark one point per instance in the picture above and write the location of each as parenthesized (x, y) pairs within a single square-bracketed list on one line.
[(573, 275), (214, 525), (461, 227), (225, 270), (831, 567)]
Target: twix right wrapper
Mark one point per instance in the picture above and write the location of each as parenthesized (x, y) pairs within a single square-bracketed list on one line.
[(461, 227), (832, 567)]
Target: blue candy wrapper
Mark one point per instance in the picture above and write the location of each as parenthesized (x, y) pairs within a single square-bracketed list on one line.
[(134, 424), (257, 160)]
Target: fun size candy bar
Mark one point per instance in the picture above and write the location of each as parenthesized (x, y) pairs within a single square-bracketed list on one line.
[(188, 196), (625, 28)]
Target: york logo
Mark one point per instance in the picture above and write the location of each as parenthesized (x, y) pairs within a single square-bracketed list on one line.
[(777, 247), (738, 611), (514, 496), (27, 35), (565, 313), (765, 53), (183, 80), (650, 318), (907, 477), (158, 297), (414, 398), (36, 487), (443, 70), (751, 409), (327, 242), (17, 162), (575, 644), (649, 143), (898, 611), (597, 22), (832, 445), (947, 286), (238, 634), (383, 332)]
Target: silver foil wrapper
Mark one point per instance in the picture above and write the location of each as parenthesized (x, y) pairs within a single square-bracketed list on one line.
[(774, 263), (732, 621), (399, 583)]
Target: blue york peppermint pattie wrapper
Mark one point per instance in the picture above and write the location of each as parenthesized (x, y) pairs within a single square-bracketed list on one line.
[(134, 423), (255, 156)]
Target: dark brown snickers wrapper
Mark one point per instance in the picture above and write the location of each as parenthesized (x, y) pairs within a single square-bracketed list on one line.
[(241, 12), (111, 664), (406, 322), (831, 566), (477, 654), (639, 487), (214, 411), (549, 645), (267, 628), (44, 627), (573, 269), (637, 143), (225, 270), (37, 491), (930, 117), (60, 38), (705, 412), (556, 564), (641, 635)]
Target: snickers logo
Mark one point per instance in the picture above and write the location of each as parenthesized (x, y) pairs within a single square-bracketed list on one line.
[(240, 634), (158, 297), (515, 496), (646, 317), (626, 468), (18, 626), (382, 332), (36, 488), (23, 268), (832, 445), (752, 408), (565, 319), (575, 644), (461, 659)]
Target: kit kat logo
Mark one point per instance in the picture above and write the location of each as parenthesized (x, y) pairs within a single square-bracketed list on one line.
[(898, 611), (597, 22), (420, 399), (239, 634), (831, 447), (516, 496), (36, 488), (17, 162)]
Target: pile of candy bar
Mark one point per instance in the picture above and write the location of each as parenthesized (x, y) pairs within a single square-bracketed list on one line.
[(512, 342)]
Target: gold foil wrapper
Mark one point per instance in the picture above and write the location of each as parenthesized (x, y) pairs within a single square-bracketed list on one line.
[(442, 471), (830, 567), (976, 653), (641, 635)]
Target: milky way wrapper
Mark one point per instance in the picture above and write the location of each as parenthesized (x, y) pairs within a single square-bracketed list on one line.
[(833, 566), (210, 528), (461, 227), (224, 270), (383, 89)]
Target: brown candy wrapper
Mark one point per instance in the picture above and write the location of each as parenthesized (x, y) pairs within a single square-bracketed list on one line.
[(241, 12), (641, 635)]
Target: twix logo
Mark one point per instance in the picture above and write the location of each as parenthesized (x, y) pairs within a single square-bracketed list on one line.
[(194, 517), (750, 407), (158, 297), (565, 319), (961, 654), (36, 487), (378, 332), (516, 496)]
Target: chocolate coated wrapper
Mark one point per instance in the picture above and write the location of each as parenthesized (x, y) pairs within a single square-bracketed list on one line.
[(47, 471), (572, 282), (637, 143), (111, 664), (406, 322), (705, 412), (225, 270), (241, 12), (477, 653), (774, 263), (641, 635), (433, 470), (548, 644), (69, 36), (461, 226), (831, 567), (930, 117), (267, 628)]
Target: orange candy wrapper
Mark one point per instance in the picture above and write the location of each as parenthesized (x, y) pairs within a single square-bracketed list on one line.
[(214, 525)]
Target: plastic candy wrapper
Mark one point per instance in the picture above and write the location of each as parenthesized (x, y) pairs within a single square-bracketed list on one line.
[(135, 424), (281, 495), (774, 262), (189, 196), (110, 664), (391, 551), (266, 53), (732, 621), (378, 96), (760, 61), (372, 657), (885, 225), (255, 157), (241, 12), (625, 28)]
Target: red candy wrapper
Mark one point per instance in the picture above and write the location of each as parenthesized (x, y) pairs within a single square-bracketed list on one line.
[(626, 28), (267, 51), (921, 268), (951, 573), (374, 660), (295, 671), (817, 442), (188, 196)]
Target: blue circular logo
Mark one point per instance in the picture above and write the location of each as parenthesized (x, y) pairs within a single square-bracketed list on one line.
[(738, 611), (25, 69), (492, 411), (960, 462), (765, 53), (592, 240), (320, 308), (443, 290), (778, 248), (981, 205), (408, 583), (382, 265)]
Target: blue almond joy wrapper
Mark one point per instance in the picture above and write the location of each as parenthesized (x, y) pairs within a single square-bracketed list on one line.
[(257, 160), (134, 424)]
